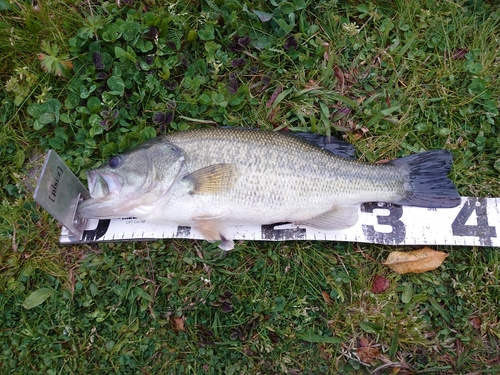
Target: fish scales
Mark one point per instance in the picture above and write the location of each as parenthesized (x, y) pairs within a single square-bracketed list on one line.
[(211, 178), (277, 169)]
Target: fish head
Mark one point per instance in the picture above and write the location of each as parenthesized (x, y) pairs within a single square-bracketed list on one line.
[(140, 177)]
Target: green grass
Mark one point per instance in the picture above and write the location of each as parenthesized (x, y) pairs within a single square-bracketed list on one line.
[(400, 77)]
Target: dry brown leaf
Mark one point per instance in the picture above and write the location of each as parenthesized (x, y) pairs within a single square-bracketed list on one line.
[(326, 297), (178, 323), (363, 341), (416, 261), (476, 323), (368, 354)]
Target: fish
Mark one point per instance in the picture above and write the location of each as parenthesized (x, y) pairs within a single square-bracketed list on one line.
[(212, 178)]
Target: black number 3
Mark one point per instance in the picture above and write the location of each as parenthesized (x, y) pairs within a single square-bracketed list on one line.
[(398, 233)]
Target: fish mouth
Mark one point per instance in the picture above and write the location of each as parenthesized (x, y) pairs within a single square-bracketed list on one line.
[(104, 189), (103, 184)]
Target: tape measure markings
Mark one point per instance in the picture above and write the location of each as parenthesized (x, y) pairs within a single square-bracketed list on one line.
[(475, 222)]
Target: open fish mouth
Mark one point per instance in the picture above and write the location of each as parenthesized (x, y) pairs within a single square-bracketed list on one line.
[(103, 189), (102, 184)]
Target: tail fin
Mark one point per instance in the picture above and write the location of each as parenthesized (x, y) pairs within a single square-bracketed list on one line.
[(429, 185)]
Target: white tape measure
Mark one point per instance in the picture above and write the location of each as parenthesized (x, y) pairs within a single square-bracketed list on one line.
[(382, 223), (475, 222)]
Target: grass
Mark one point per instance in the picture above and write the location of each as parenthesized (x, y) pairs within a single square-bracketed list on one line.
[(393, 78)]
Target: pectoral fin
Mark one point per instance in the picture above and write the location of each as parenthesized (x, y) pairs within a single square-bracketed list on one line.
[(340, 217), (212, 230), (213, 179)]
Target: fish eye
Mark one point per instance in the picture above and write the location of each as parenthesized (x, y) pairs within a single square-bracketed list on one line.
[(115, 161)]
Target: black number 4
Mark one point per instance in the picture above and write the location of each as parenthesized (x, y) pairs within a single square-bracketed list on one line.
[(482, 230)]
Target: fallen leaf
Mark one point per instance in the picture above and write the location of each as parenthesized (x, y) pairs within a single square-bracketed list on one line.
[(274, 96), (178, 323), (363, 341), (416, 261), (326, 297), (380, 284), (476, 323), (459, 53), (340, 76), (367, 354)]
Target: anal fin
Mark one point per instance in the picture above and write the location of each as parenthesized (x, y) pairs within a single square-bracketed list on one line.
[(212, 230), (340, 217)]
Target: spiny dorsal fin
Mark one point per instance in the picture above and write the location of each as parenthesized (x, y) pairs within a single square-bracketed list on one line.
[(213, 179)]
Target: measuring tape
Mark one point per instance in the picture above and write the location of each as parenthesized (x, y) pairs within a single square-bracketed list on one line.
[(475, 222), (381, 223)]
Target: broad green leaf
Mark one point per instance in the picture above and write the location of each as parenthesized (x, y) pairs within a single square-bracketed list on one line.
[(473, 67), (144, 66), (207, 33), (204, 99), (46, 118), (389, 111), (324, 110), (56, 143), (116, 85), (148, 133), (130, 30), (212, 47), (299, 4), (287, 28), (407, 293), (477, 86), (393, 349), (37, 125), (95, 120), (5, 5), (287, 8), (95, 129), (35, 110), (112, 33), (72, 101), (121, 54), (141, 293), (363, 8), (19, 158), (370, 327), (280, 303), (496, 165), (94, 105), (263, 16), (84, 92), (37, 298), (237, 99)]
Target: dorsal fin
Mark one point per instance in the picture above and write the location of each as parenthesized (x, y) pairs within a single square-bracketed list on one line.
[(331, 144)]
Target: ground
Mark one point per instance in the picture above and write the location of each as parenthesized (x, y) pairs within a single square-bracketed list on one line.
[(93, 79)]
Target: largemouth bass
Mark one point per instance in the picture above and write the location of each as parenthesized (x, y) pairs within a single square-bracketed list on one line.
[(211, 178)]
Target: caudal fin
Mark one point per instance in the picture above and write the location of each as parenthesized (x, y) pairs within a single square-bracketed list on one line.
[(429, 185)]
